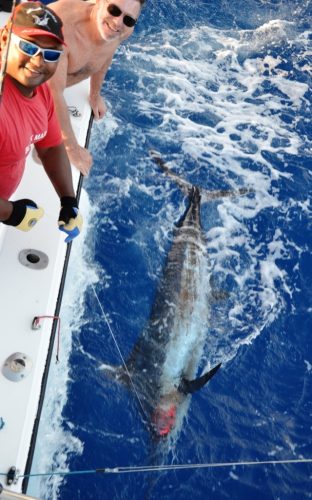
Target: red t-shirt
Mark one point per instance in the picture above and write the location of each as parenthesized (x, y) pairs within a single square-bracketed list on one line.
[(23, 121)]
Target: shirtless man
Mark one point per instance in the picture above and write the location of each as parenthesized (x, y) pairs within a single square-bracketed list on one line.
[(93, 31)]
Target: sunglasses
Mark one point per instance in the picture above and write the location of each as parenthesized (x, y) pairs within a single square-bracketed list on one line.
[(30, 49), (115, 11)]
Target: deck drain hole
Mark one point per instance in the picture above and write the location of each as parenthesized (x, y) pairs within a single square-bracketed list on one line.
[(34, 259)]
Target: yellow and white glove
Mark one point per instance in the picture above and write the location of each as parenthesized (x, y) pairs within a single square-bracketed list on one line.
[(25, 215), (70, 220)]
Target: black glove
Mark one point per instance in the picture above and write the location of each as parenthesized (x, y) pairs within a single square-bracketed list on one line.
[(25, 215), (70, 220)]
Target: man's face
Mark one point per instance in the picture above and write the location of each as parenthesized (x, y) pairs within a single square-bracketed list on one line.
[(113, 27), (28, 72)]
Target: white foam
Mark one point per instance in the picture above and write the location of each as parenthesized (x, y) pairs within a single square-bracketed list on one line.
[(227, 94), (308, 365)]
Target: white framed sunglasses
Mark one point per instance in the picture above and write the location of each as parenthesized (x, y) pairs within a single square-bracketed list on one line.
[(30, 49)]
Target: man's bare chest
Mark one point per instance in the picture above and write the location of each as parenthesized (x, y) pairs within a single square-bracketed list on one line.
[(85, 60)]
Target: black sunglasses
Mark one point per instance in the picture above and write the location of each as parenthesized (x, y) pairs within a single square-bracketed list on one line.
[(115, 11)]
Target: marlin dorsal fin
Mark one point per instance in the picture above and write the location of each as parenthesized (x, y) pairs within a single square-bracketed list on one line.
[(190, 386)]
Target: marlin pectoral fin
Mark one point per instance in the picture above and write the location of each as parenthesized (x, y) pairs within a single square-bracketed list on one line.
[(190, 386)]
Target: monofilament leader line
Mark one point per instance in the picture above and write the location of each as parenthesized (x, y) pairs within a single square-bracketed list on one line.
[(118, 349)]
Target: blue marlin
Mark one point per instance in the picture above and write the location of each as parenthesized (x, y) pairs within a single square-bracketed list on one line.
[(164, 361)]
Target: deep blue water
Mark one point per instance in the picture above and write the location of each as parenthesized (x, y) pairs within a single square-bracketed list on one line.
[(223, 91)]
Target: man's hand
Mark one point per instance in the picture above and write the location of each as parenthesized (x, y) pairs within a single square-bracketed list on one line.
[(70, 220), (80, 158), (25, 215), (98, 106)]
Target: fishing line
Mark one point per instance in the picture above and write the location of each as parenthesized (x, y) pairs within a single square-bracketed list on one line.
[(161, 468), (118, 349)]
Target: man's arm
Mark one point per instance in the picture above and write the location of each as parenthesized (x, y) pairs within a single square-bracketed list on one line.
[(96, 81), (78, 156), (58, 169)]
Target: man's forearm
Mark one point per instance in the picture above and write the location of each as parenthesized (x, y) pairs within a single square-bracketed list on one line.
[(96, 82), (6, 208), (97, 79), (58, 169), (61, 108)]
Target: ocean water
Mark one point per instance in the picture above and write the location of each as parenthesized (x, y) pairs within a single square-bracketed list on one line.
[(223, 91)]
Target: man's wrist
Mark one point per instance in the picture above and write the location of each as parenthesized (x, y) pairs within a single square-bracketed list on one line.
[(94, 94), (6, 209), (69, 201), (72, 146)]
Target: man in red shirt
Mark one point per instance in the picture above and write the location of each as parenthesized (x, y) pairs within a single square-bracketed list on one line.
[(31, 53)]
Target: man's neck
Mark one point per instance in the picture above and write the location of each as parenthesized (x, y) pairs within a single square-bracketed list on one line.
[(25, 91)]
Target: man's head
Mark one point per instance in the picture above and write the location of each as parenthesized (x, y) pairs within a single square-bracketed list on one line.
[(116, 18), (34, 47)]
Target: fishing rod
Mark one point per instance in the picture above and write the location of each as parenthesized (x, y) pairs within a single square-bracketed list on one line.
[(165, 467), (4, 60)]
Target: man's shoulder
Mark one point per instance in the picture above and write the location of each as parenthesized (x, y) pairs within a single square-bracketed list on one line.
[(61, 4), (71, 9)]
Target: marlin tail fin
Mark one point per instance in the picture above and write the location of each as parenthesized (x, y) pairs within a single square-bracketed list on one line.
[(183, 185), (186, 186)]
